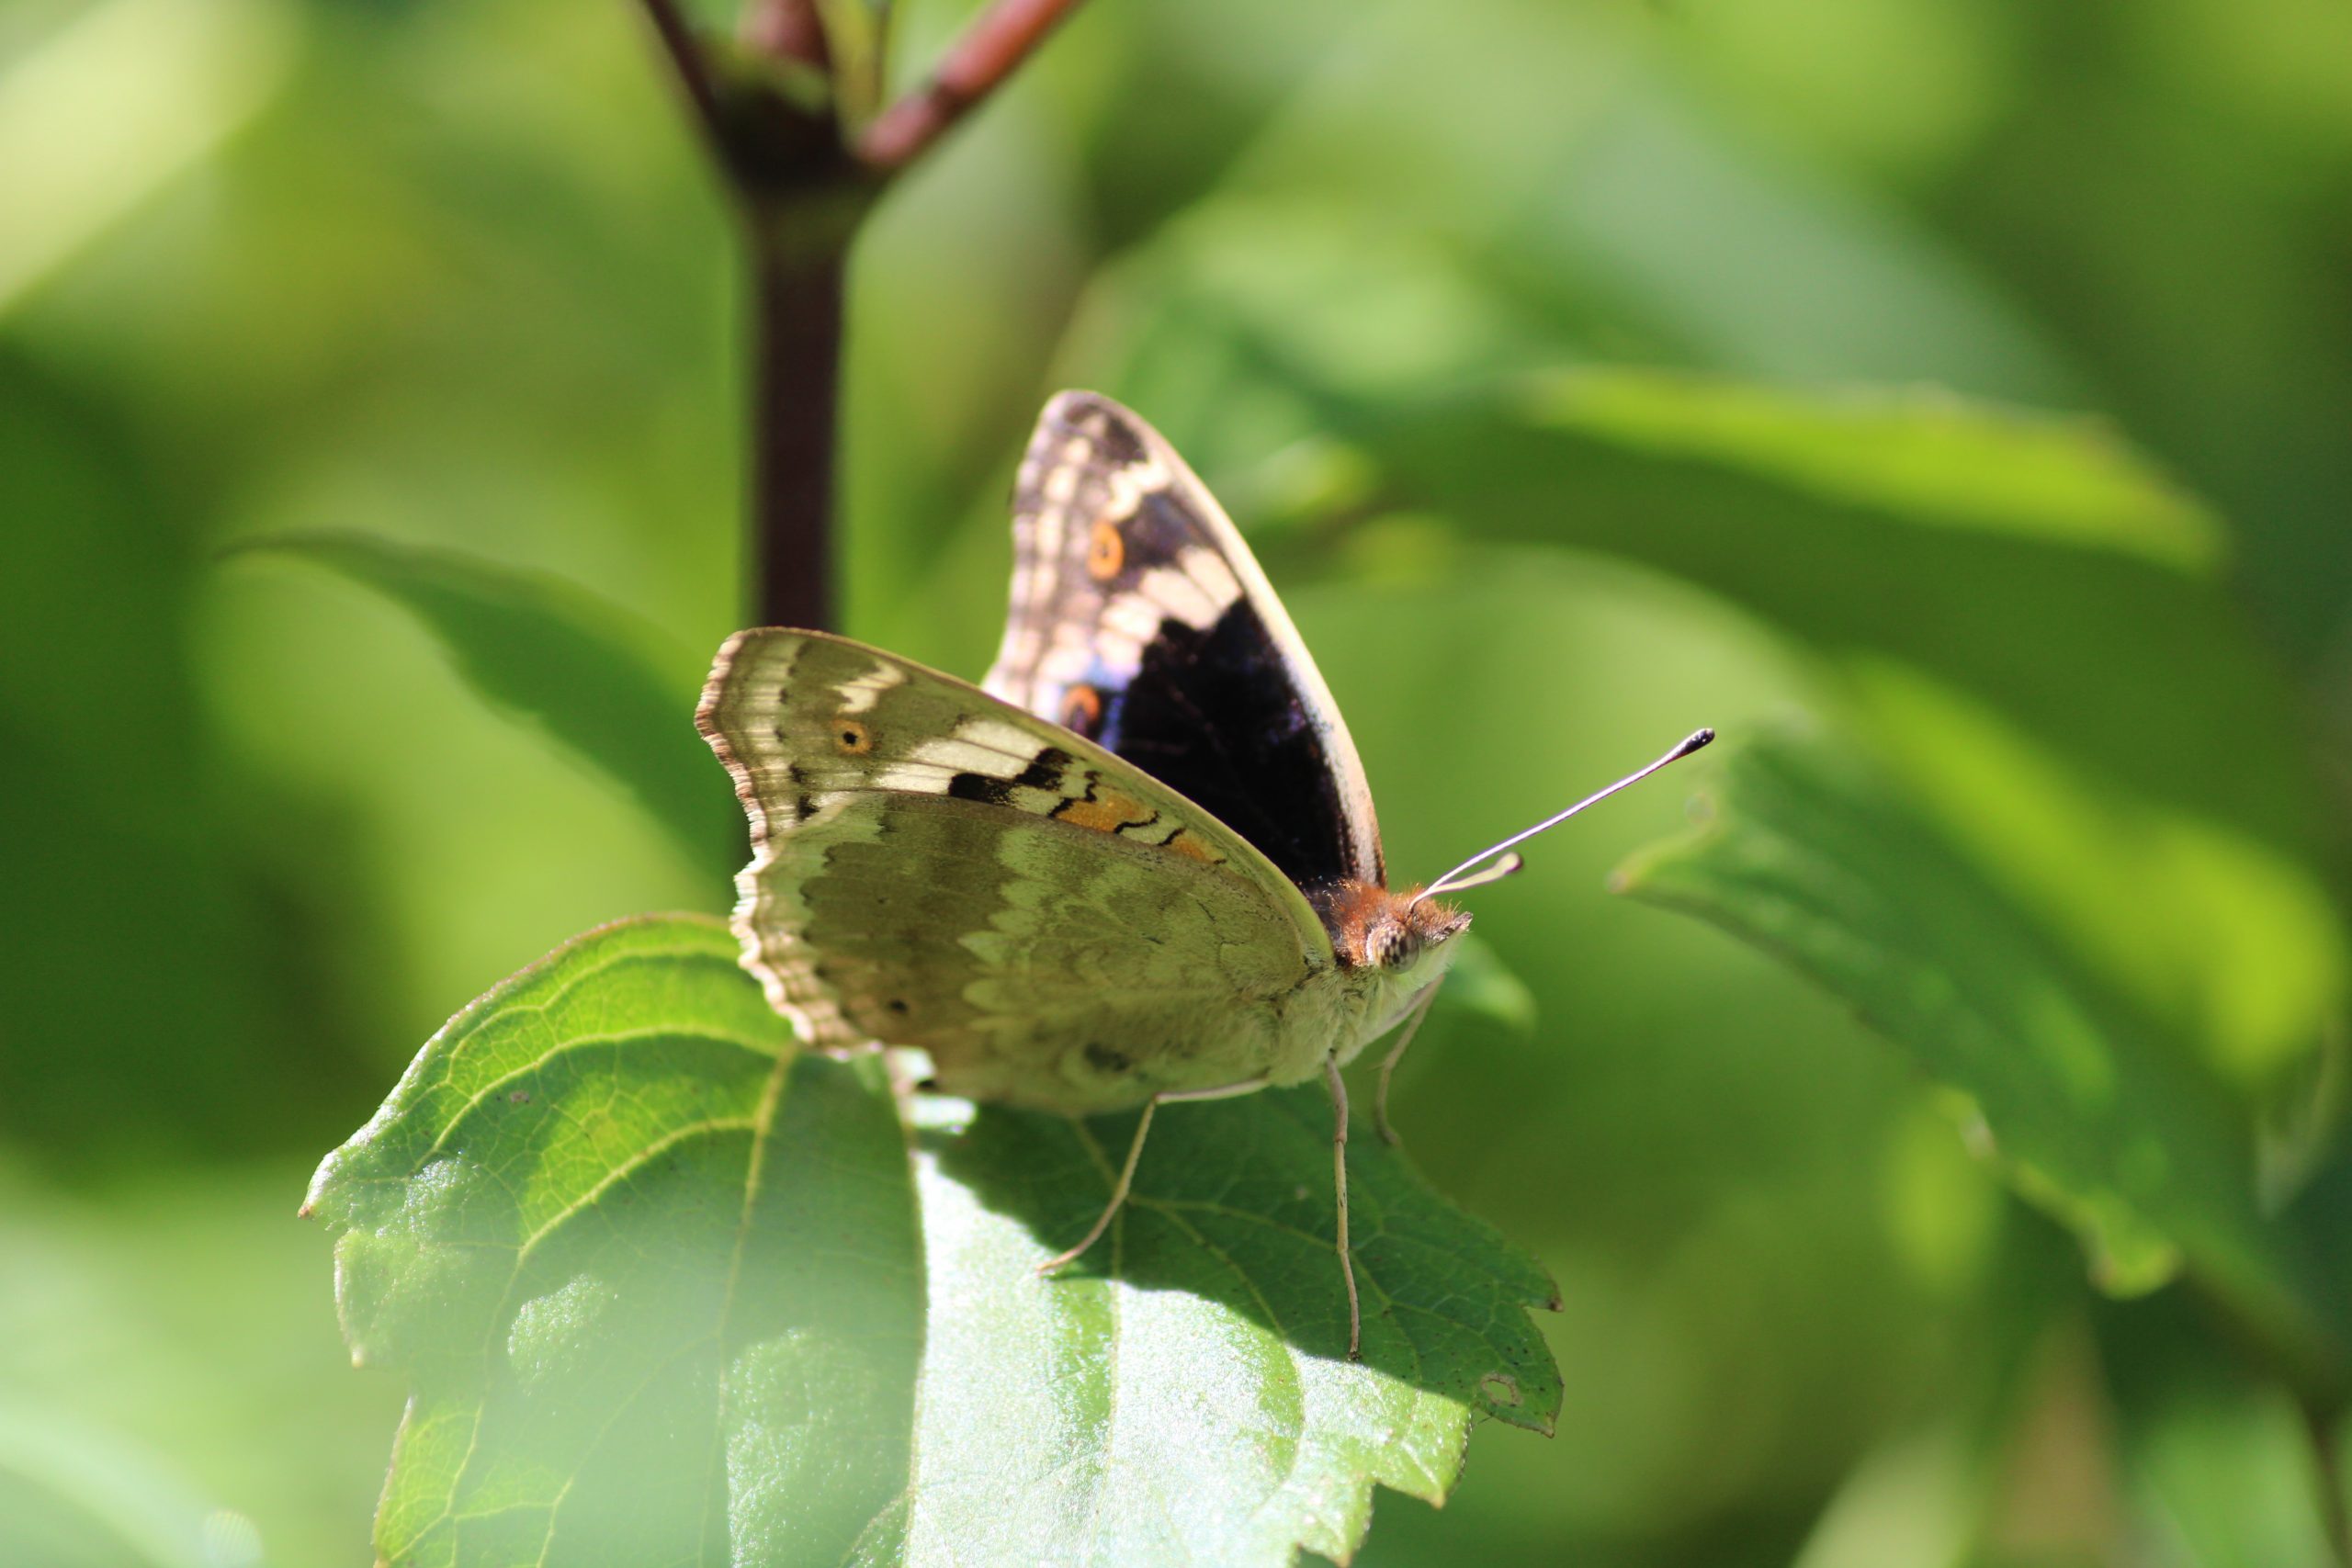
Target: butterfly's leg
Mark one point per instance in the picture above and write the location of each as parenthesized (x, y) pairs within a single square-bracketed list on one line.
[(1388, 1063), (1118, 1194), (1135, 1153), (1339, 1181)]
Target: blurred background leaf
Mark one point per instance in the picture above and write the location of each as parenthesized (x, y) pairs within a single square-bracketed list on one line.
[(556, 659), (2090, 1113), (1963, 379)]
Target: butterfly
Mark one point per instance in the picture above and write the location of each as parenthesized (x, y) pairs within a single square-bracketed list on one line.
[(1138, 865)]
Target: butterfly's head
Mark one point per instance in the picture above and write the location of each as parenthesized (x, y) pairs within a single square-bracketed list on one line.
[(1408, 928), (1374, 929)]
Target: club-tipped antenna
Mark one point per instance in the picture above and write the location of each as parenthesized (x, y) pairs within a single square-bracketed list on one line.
[(1475, 873)]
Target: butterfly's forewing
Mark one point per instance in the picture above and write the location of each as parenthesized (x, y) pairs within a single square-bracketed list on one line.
[(936, 868), (1141, 619)]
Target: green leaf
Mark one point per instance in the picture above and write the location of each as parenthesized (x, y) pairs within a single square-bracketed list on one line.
[(2032, 563), (2092, 1113), (2146, 784), (2054, 590), (666, 1291), (551, 656), (1913, 454)]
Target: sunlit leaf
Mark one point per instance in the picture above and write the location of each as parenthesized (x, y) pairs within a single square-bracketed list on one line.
[(666, 1291), (1581, 169), (2031, 561), (556, 657), (2025, 623), (2217, 933), (1920, 455), (2133, 761), (1909, 1506), (2092, 1113), (2081, 627)]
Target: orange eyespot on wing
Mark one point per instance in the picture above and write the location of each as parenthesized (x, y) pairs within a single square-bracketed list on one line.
[(851, 738), (1106, 811), (1106, 552), (1083, 710), (1184, 843)]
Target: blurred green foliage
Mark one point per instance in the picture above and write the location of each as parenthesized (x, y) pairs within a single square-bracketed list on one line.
[(1585, 369)]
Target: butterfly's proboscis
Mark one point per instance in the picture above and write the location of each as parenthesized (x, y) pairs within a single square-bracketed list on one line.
[(1476, 872)]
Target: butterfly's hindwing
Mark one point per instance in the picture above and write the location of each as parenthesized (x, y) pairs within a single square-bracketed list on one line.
[(1139, 619), (934, 868)]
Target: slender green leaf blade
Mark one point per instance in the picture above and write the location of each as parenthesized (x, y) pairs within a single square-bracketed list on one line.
[(2093, 1114), (1938, 554), (1916, 453), (2082, 625), (554, 656), (664, 1287), (2034, 562)]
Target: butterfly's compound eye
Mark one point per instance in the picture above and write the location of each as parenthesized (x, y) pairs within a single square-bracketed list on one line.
[(852, 736), (1389, 942)]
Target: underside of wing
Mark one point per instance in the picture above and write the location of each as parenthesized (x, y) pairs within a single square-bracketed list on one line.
[(1141, 619), (936, 869)]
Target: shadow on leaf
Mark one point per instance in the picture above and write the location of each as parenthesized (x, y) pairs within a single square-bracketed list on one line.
[(1233, 1206)]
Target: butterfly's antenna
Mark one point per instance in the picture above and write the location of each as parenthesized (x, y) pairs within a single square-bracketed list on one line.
[(1475, 873)]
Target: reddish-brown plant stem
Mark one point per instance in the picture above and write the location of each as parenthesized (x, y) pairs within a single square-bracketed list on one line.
[(999, 39), (797, 301), (801, 188)]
